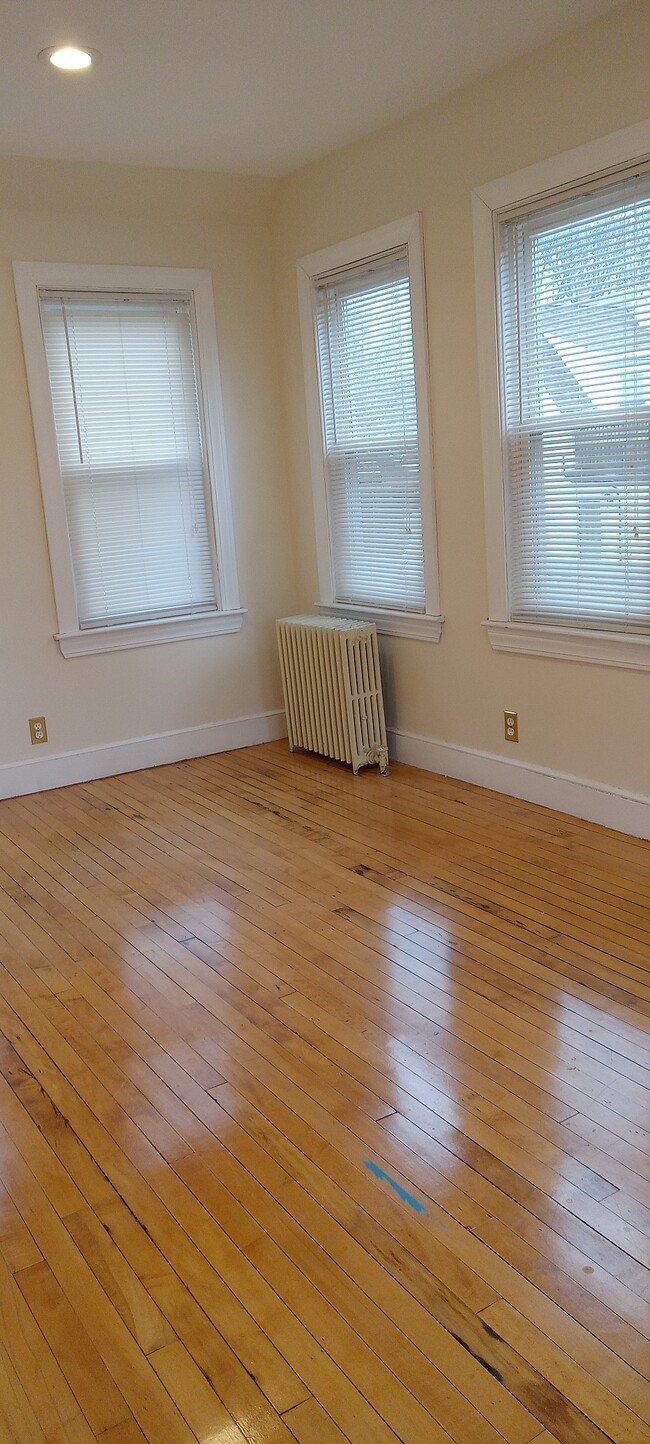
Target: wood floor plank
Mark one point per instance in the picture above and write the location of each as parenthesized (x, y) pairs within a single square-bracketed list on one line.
[(324, 1112), (194, 1394), (483, 1428), (311, 1425), (313, 1365), (587, 1393), (275, 1376), (35, 1366), (79, 1294), (17, 1418), (100, 1400)]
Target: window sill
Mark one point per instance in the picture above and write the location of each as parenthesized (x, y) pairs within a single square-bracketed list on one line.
[(610, 649), (389, 624), (149, 634)]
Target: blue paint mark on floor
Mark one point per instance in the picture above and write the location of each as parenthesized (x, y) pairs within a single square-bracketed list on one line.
[(413, 1203)]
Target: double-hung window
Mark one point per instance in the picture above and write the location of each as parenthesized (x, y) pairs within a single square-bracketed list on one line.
[(362, 307), (572, 287), (131, 453)]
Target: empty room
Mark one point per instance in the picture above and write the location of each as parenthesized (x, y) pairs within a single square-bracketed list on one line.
[(324, 722)]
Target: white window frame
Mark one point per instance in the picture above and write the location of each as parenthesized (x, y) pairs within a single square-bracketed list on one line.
[(550, 179), (29, 277), (406, 232)]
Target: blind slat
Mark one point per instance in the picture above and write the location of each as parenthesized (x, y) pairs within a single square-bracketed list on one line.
[(367, 383), (126, 411)]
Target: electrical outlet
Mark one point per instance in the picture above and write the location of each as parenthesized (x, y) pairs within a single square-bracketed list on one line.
[(37, 730), (511, 726)]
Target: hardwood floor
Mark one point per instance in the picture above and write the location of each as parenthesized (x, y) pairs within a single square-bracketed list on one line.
[(324, 1113)]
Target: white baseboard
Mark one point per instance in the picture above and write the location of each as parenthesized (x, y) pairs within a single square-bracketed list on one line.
[(64, 768), (625, 811)]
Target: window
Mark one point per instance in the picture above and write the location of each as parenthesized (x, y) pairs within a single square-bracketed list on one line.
[(570, 395), (364, 333), (130, 453), (575, 355)]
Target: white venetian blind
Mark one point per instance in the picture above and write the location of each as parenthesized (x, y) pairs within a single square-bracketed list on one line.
[(125, 399), (575, 353), (367, 382)]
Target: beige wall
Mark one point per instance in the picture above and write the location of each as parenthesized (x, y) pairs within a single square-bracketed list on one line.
[(131, 216), (587, 720), (577, 718)]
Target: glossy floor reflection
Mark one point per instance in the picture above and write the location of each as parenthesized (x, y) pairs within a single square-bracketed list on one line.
[(324, 1113)]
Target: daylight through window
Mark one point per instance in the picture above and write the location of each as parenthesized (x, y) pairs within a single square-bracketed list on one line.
[(126, 409), (370, 432), (575, 363)]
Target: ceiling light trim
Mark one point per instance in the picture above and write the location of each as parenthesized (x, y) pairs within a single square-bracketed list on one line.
[(90, 58)]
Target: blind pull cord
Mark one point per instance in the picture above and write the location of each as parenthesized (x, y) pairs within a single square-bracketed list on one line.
[(74, 389)]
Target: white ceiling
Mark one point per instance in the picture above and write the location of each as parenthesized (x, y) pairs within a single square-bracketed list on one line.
[(258, 86)]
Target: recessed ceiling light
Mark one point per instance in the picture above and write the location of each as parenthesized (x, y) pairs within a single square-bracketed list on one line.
[(69, 57)]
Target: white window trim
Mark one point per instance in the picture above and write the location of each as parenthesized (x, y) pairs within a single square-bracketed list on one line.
[(420, 625), (29, 277), (406, 232), (536, 183)]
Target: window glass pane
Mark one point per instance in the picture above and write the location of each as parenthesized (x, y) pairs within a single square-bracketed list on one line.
[(365, 346), (575, 341), (126, 410)]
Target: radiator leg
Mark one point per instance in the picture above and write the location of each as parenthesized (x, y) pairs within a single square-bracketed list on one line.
[(379, 755)]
